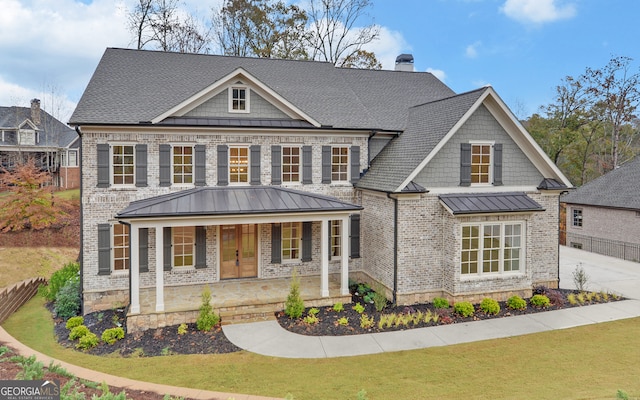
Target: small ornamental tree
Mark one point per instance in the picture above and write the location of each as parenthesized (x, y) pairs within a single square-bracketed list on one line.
[(30, 204), (294, 306)]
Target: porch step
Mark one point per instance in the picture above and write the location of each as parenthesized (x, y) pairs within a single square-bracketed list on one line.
[(243, 314)]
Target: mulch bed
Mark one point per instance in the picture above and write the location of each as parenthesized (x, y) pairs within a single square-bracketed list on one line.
[(153, 342), (328, 318)]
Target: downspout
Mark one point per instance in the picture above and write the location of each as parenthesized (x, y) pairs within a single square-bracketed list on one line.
[(80, 257), (395, 248)]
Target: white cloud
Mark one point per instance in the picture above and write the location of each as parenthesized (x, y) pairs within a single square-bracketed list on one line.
[(438, 73), (389, 45), (45, 43), (472, 50), (537, 11)]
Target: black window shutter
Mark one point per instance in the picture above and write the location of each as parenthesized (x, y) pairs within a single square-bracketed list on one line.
[(497, 164), (355, 164), (166, 248), (326, 164), (223, 165), (306, 240), (355, 236), (276, 243), (200, 165), (164, 160), (201, 247), (465, 164), (276, 165), (141, 165), (104, 249), (254, 159), (103, 165), (307, 165), (143, 249)]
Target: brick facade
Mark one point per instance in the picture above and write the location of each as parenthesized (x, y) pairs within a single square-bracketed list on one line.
[(605, 223)]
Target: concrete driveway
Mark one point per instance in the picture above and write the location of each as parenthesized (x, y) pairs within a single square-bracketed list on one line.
[(605, 273)]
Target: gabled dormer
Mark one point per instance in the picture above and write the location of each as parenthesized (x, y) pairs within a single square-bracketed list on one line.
[(238, 95), (28, 134)]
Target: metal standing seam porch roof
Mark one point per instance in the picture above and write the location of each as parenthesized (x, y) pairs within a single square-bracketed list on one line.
[(220, 201), (482, 203)]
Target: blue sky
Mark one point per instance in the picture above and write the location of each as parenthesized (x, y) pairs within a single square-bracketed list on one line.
[(523, 48)]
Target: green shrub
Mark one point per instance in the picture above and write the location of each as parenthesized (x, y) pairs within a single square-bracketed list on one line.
[(107, 395), (182, 329), (112, 335), (58, 280), (463, 308), (344, 321), (311, 319), (440, 302), (78, 332), (73, 322), (338, 307), (359, 308), (539, 300), (31, 369), (516, 303), (67, 303), (207, 319), (489, 306), (379, 299), (88, 341), (294, 306)]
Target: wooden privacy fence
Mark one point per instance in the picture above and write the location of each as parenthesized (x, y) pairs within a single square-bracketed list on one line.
[(13, 297)]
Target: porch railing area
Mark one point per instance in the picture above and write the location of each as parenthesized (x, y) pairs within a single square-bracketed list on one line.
[(613, 248)]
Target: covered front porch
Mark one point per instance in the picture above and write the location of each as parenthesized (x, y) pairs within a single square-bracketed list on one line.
[(238, 300)]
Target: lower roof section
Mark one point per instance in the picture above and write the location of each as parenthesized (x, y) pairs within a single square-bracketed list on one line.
[(483, 203), (229, 200)]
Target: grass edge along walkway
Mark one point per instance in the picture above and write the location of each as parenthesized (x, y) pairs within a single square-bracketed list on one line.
[(586, 362)]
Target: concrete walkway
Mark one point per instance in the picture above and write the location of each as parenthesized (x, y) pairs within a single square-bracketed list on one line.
[(606, 273)]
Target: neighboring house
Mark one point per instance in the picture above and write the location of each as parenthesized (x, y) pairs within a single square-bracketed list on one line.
[(603, 216), (201, 169), (34, 133)]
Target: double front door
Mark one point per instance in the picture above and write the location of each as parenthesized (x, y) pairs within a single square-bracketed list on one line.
[(238, 251)]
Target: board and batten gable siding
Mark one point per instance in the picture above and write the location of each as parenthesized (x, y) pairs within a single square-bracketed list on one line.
[(218, 106), (444, 168)]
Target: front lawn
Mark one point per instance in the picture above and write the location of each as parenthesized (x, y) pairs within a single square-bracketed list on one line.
[(581, 363)]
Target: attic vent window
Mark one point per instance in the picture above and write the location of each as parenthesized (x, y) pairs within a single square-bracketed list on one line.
[(239, 99)]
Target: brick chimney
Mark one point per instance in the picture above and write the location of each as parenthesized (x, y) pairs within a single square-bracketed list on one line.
[(35, 111)]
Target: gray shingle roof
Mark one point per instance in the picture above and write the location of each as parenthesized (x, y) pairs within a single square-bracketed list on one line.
[(212, 201), (130, 86), (489, 203), (619, 188), (427, 125), (52, 131), (248, 122)]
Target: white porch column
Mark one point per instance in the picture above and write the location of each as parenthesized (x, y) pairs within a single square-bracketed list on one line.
[(344, 247), (159, 269), (324, 251), (134, 270)]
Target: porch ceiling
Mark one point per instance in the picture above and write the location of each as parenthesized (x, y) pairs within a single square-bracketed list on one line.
[(228, 201)]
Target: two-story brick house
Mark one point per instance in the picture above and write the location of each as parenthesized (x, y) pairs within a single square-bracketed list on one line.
[(201, 169)]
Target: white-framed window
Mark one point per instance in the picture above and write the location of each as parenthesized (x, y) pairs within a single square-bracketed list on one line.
[(72, 158), (238, 165), (123, 164), (183, 246), (336, 241), (340, 164), (291, 164), (291, 241), (182, 164), (481, 163), (492, 248), (577, 217), (120, 248), (239, 99)]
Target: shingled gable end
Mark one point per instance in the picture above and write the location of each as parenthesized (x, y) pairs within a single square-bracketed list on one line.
[(210, 170)]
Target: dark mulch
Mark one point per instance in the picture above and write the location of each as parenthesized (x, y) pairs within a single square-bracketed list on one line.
[(9, 370), (328, 319), (153, 342)]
